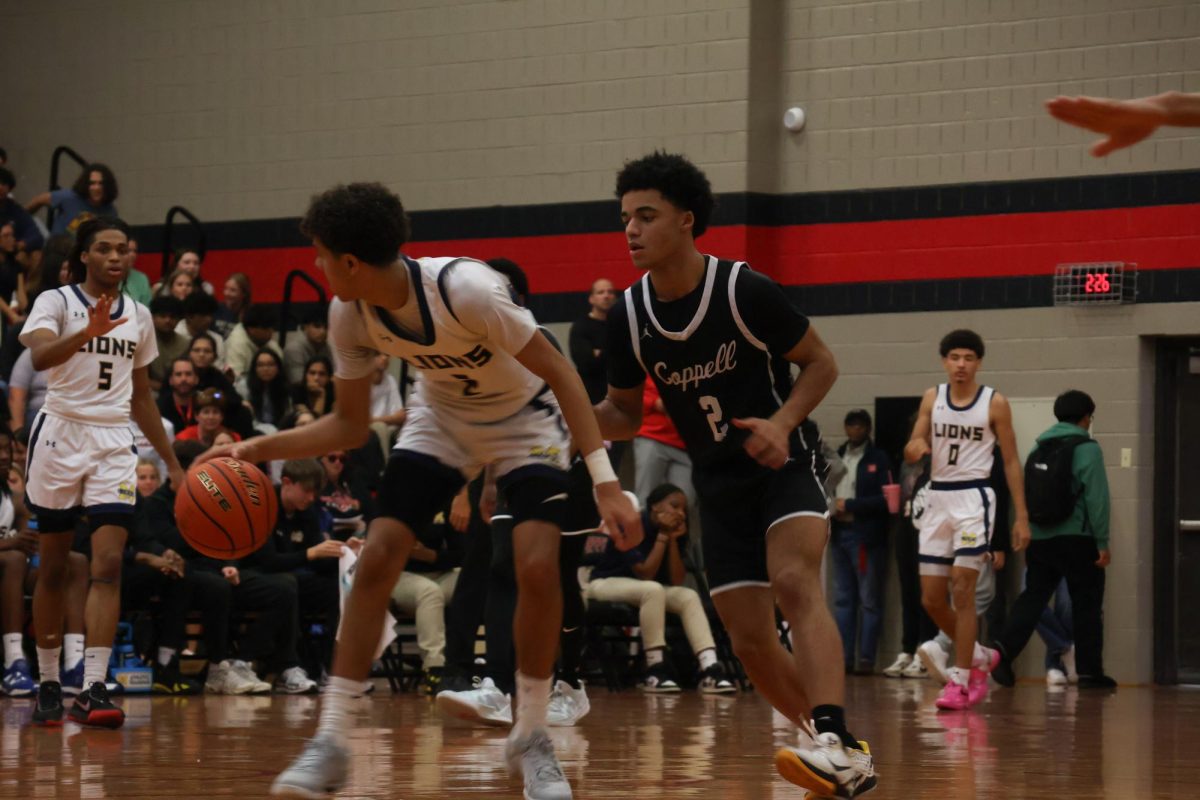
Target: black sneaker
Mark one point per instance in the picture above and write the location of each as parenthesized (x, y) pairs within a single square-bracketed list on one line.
[(49, 707), (92, 707), (659, 681), (431, 682), (454, 680), (168, 680), (1096, 682), (714, 681)]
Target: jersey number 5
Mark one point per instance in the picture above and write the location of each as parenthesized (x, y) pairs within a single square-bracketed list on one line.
[(712, 408), (105, 376)]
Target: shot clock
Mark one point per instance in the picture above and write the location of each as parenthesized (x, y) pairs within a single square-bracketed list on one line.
[(1107, 283)]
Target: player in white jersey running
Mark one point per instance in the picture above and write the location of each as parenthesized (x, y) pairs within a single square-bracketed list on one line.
[(490, 393), (960, 423), (97, 344)]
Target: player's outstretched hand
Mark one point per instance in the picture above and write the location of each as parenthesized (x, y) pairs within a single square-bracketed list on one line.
[(238, 450), (1122, 122), (767, 443), (176, 476), (621, 519), (100, 319)]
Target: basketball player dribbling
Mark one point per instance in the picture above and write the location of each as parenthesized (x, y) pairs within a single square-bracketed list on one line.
[(97, 344), (719, 340), (960, 423), (491, 391)]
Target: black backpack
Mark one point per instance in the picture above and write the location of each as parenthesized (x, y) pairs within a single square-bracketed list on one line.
[(1049, 480)]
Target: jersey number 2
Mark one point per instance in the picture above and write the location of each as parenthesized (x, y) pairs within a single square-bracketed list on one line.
[(470, 385), (105, 376), (712, 408)]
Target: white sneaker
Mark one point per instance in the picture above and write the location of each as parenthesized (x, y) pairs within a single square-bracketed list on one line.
[(827, 768), (320, 771), (567, 705), (1068, 660), (899, 665), (533, 759), (234, 677), (1056, 677), (915, 669), (294, 680), (486, 705), (935, 659)]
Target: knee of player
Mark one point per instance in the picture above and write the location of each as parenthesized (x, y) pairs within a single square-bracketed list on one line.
[(106, 566), (753, 647), (13, 564), (793, 592), (537, 574), (962, 585)]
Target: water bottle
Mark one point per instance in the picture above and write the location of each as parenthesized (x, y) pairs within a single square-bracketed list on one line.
[(36, 559)]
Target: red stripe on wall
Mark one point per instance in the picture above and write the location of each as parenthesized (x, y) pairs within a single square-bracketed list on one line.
[(1155, 237)]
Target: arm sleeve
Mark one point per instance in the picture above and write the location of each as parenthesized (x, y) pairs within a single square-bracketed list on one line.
[(353, 357), (47, 314), (479, 298), (147, 349), (1089, 464), (775, 321), (624, 370)]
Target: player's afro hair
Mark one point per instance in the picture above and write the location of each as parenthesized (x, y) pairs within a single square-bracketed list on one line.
[(961, 339), (676, 179), (363, 220)]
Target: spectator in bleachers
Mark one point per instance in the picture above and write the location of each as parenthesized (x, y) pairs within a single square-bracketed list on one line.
[(20, 446), (149, 477), (300, 350), (199, 311), (142, 443), (387, 404), (315, 393), (178, 284), (208, 376), (658, 453), (92, 195), (209, 407), (235, 300), (343, 496), (298, 548), (52, 270), (426, 587), (14, 303), (650, 576), (216, 587), (189, 261), (29, 237), (26, 391), (175, 400), (859, 543), (137, 283), (18, 575), (251, 334), (166, 312), (265, 389)]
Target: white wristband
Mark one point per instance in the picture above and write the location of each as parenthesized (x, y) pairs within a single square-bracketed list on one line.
[(599, 467)]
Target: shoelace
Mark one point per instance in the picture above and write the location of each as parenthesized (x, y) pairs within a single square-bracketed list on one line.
[(547, 768)]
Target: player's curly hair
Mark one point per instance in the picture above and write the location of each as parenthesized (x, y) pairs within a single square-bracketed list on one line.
[(364, 220), (961, 339), (677, 179), (85, 235)]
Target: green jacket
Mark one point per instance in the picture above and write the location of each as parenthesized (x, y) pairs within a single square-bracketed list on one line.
[(1090, 517), (137, 286)]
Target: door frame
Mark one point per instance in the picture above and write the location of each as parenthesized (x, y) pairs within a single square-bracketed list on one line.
[(1169, 353)]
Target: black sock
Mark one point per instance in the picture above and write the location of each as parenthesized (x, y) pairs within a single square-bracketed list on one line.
[(832, 719), (571, 654)]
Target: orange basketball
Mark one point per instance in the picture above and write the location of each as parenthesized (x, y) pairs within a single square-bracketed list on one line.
[(226, 508)]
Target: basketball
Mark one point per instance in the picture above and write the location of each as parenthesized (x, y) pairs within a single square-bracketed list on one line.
[(226, 508)]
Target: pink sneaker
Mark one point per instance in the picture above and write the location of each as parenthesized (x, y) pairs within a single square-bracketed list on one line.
[(977, 687), (954, 697), (993, 658)]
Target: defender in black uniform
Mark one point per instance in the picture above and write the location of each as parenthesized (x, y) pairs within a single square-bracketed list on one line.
[(719, 340)]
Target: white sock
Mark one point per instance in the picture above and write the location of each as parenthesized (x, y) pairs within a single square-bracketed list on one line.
[(336, 710), (48, 663), (707, 657), (982, 656), (165, 654), (654, 656), (958, 675), (533, 694), (72, 650), (12, 649), (95, 665)]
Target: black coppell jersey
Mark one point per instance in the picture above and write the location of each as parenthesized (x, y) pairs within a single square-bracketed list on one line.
[(715, 354)]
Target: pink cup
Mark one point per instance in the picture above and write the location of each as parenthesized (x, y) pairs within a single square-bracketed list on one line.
[(891, 492)]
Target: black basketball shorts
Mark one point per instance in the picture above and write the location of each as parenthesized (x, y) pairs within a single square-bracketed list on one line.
[(739, 503)]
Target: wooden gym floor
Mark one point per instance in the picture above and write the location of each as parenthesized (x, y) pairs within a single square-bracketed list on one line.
[(1023, 743)]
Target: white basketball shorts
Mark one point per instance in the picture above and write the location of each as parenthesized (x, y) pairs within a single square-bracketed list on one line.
[(956, 526), (73, 465)]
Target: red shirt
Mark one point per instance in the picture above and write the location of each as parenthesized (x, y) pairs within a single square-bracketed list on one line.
[(192, 434), (656, 424)]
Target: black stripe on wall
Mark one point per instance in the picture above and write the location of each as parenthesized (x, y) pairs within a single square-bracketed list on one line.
[(867, 205)]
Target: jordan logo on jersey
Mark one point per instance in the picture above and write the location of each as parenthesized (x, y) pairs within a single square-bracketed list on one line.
[(105, 346), (947, 430), (479, 356), (697, 374)]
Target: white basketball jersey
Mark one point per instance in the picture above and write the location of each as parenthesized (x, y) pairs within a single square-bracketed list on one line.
[(469, 331), (7, 516), (95, 385), (962, 437)]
